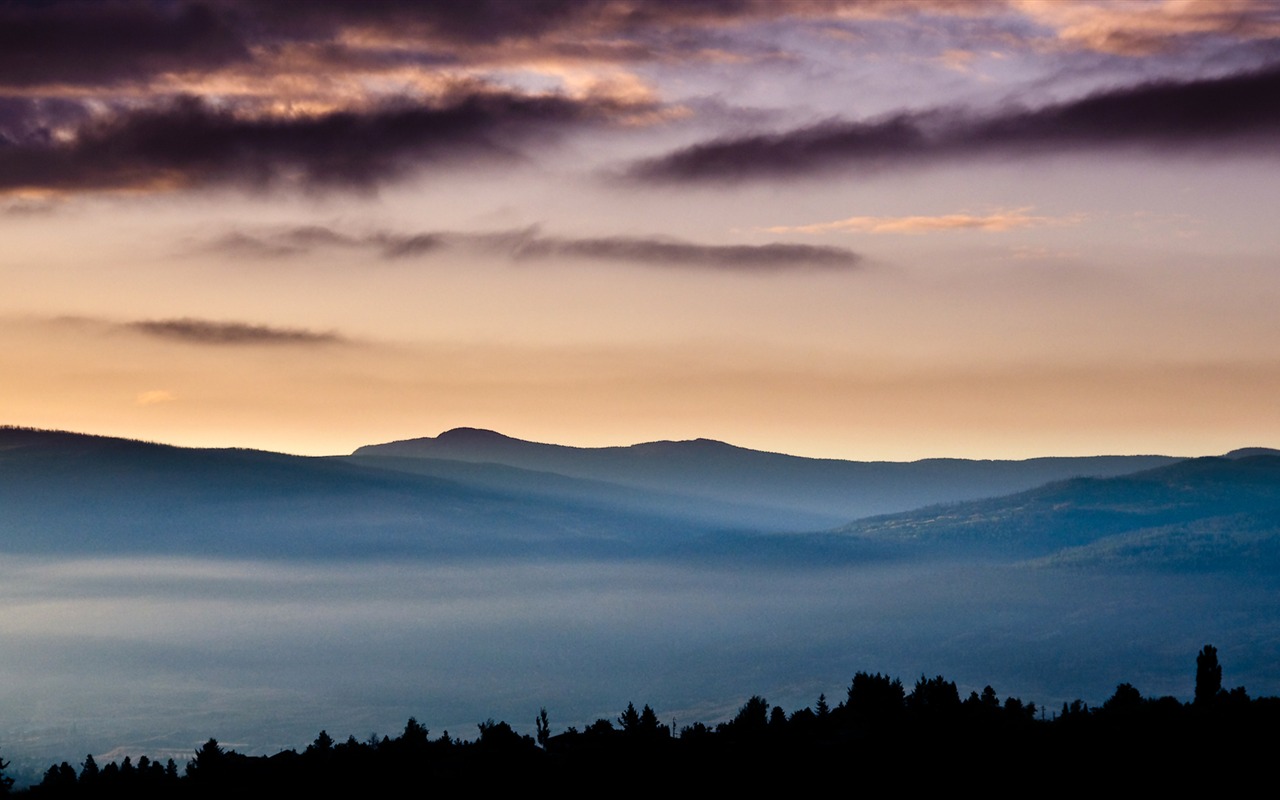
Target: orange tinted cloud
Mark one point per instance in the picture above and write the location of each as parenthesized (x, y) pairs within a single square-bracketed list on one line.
[(155, 396), (995, 222), (1143, 28)]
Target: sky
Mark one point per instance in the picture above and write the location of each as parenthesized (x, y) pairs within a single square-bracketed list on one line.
[(864, 230)]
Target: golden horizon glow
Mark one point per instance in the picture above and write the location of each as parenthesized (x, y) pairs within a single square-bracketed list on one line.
[(881, 231)]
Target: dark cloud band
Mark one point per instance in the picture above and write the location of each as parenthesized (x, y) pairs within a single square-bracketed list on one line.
[(200, 331), (671, 253), (96, 43), (1242, 110), (188, 143), (102, 44)]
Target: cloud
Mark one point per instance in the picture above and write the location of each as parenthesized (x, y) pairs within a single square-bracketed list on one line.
[(84, 43), (147, 96), (155, 397), (1242, 110), (199, 331), (958, 59), (283, 243), (107, 43), (664, 252), (996, 222), (189, 143), (1143, 29), (407, 246), (528, 244), (305, 239), (29, 206), (57, 45)]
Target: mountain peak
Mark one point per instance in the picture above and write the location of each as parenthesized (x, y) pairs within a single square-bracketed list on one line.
[(1246, 452), (470, 435), (686, 446)]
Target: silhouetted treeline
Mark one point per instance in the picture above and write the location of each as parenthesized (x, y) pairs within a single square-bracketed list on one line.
[(880, 735)]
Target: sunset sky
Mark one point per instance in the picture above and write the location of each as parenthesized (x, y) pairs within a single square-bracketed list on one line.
[(865, 230)]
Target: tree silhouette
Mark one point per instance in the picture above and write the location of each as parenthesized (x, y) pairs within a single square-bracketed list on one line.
[(1126, 701), (415, 735), (323, 744), (649, 724), (1208, 676), (89, 770), (890, 730), (937, 696), (630, 719), (874, 699), (543, 725), (777, 719), (59, 778), (752, 718)]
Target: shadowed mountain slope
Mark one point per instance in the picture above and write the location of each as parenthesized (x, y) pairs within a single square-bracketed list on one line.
[(553, 485), (778, 491), (64, 493), (1197, 512)]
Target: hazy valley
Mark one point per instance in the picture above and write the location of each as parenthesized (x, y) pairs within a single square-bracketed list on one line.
[(155, 595)]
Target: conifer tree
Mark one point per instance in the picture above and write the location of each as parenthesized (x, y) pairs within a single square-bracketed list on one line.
[(1208, 676)]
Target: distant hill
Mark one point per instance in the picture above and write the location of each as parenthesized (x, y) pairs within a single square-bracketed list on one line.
[(772, 490), (1246, 452), (71, 493), (1194, 513)]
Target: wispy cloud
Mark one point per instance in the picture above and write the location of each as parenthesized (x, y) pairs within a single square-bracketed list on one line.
[(29, 207), (1138, 29), (664, 252), (155, 397), (390, 245), (529, 244), (209, 332), (1242, 110), (284, 243), (995, 222)]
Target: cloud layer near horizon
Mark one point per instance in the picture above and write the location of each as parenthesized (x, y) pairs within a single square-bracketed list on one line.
[(201, 331), (994, 222), (531, 245), (190, 330)]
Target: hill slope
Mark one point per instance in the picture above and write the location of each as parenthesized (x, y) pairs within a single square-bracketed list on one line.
[(775, 491), (65, 493), (1195, 511)]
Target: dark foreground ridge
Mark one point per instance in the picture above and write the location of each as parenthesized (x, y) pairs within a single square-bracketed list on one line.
[(879, 736)]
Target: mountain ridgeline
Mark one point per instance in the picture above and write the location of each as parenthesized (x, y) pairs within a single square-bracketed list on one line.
[(770, 490), (1194, 512), (472, 493)]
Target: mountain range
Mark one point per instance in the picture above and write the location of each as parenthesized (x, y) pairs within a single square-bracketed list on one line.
[(476, 493), (1197, 511), (155, 593), (770, 490)]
